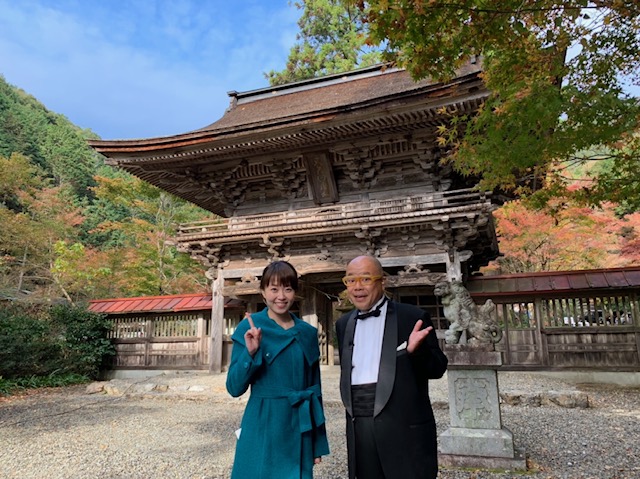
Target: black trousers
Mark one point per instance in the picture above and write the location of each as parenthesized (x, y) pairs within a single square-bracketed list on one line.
[(367, 459)]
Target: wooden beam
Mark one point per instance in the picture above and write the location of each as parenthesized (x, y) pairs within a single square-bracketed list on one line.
[(243, 289), (415, 279)]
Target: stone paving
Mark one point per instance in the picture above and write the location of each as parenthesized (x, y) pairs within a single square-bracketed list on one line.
[(181, 425)]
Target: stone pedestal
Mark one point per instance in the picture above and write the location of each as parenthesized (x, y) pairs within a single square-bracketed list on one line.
[(476, 437)]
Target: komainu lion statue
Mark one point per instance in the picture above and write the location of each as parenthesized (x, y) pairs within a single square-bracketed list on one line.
[(464, 315)]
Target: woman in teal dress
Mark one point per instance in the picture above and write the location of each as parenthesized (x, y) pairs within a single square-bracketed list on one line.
[(282, 434)]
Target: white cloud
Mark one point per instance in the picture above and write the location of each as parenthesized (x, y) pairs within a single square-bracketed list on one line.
[(133, 69)]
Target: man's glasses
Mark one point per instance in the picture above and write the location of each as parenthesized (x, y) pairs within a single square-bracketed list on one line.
[(363, 280)]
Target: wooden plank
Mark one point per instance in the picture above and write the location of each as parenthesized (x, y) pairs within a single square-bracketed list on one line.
[(540, 338), (591, 348)]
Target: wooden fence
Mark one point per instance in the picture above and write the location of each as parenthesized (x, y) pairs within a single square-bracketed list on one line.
[(594, 331), (166, 341)]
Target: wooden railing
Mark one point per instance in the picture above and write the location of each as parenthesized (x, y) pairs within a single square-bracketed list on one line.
[(148, 326), (343, 214)]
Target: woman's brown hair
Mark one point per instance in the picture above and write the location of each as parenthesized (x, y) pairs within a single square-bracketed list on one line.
[(281, 273)]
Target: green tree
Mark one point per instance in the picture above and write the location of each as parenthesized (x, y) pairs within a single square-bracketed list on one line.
[(51, 217), (34, 218), (331, 40), (81, 337), (50, 346), (70, 162), (21, 119), (575, 237), (148, 263), (20, 183), (18, 177), (76, 271), (557, 71), (104, 209), (26, 345), (48, 139)]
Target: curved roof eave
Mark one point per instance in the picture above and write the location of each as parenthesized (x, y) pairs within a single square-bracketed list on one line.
[(239, 120)]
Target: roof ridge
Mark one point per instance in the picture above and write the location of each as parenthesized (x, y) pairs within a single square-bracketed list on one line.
[(301, 85)]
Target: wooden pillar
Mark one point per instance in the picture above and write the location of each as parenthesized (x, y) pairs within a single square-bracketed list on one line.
[(202, 340), (507, 348), (148, 334), (454, 261), (217, 325), (541, 338), (316, 310), (454, 270), (308, 307), (635, 318)]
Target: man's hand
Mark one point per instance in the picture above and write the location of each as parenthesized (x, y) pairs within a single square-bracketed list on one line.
[(252, 337), (417, 336)]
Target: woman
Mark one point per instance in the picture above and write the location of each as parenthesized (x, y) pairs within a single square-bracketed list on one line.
[(282, 434)]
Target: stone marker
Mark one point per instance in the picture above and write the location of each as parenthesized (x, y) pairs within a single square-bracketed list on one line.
[(476, 437)]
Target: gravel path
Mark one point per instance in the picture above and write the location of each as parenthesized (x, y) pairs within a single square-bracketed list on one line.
[(183, 426)]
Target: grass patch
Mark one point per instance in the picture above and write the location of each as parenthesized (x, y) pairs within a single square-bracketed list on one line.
[(10, 387)]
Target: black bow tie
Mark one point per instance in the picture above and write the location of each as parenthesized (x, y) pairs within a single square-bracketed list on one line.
[(374, 312)]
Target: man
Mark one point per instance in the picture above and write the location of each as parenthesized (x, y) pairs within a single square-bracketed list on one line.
[(388, 351)]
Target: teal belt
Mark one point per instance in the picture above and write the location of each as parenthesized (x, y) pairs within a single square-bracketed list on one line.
[(307, 402)]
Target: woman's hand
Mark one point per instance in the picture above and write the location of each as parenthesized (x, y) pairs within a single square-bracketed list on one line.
[(252, 337), (317, 460)]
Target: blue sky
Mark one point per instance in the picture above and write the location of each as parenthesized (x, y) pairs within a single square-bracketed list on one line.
[(142, 68)]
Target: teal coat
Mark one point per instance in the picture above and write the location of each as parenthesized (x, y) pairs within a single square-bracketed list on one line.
[(283, 427)]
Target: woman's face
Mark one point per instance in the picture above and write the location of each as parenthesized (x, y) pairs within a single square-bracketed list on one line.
[(278, 299)]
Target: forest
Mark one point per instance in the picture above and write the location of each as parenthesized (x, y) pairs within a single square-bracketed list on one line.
[(74, 229)]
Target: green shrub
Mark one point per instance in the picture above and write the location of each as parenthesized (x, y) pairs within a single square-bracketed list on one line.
[(51, 346), (26, 346), (82, 339)]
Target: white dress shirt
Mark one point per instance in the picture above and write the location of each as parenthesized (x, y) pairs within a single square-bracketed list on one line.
[(367, 347)]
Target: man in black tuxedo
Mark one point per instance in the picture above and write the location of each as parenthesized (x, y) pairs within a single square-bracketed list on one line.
[(388, 352)]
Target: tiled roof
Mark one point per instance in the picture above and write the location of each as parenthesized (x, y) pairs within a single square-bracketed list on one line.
[(311, 103), (556, 282), (329, 95), (145, 304)]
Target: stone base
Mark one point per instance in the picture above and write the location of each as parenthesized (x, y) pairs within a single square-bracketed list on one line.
[(516, 463), (467, 356), (474, 399), (477, 442)]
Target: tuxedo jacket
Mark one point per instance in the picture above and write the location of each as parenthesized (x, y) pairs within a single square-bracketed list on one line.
[(404, 425)]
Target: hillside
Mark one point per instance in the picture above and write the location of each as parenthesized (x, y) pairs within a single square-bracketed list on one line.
[(74, 228)]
